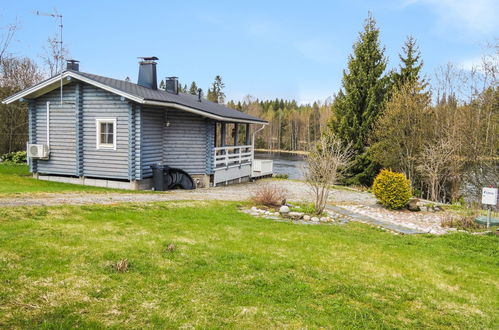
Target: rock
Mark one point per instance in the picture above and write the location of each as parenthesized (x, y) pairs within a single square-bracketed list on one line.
[(254, 209), (306, 217), (437, 208), (413, 205), (295, 215), (314, 219), (423, 208), (276, 214), (255, 214), (284, 210), (323, 219)]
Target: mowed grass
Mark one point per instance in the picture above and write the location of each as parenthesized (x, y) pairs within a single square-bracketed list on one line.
[(229, 269), (16, 179)]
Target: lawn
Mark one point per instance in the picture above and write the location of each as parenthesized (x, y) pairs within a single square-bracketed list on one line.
[(16, 179), (229, 269)]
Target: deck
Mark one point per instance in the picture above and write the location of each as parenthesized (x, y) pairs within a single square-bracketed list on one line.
[(237, 164)]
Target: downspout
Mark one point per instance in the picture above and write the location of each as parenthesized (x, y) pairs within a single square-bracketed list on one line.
[(48, 124), (253, 144)]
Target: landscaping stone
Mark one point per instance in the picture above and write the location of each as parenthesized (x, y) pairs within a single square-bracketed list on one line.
[(413, 205), (284, 210), (295, 215), (306, 217), (314, 219)]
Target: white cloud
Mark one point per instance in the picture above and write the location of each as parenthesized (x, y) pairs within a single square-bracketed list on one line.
[(475, 16), (471, 63)]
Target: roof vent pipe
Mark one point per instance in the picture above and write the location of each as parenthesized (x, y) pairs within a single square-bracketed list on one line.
[(73, 65), (171, 85), (200, 92), (147, 72)]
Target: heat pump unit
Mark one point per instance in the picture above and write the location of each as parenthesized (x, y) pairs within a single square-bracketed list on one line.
[(38, 151)]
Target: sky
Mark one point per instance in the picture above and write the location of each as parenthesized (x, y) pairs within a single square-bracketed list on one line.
[(267, 49)]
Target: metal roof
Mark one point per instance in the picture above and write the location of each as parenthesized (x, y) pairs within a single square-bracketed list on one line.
[(148, 96)]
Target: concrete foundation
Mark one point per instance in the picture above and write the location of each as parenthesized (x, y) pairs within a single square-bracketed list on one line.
[(145, 184)]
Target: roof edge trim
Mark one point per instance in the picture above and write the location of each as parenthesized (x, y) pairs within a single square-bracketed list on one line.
[(203, 113)]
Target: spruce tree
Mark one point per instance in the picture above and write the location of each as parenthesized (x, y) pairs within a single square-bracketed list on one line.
[(215, 93), (410, 66), (360, 101), (193, 89)]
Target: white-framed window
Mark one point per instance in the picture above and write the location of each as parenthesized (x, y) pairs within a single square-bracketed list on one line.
[(105, 133)]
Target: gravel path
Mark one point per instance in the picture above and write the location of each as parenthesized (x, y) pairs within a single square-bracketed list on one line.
[(296, 191)]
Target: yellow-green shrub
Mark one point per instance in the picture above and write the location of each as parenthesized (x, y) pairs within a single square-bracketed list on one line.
[(392, 189)]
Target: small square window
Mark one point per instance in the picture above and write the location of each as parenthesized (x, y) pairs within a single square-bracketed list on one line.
[(106, 133)]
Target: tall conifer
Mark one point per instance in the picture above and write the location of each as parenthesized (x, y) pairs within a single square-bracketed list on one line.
[(360, 101)]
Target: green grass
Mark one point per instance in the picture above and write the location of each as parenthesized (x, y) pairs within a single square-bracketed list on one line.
[(15, 179), (232, 270)]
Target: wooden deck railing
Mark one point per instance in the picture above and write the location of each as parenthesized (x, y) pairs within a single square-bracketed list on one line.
[(230, 156)]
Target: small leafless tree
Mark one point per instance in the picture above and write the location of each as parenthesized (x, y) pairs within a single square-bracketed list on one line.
[(326, 159), (6, 39), (53, 57), (15, 74)]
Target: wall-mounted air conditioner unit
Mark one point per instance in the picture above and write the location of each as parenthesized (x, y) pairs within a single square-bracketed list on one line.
[(40, 151)]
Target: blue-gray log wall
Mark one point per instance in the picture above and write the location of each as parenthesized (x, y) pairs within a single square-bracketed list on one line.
[(62, 131), (98, 103), (185, 143)]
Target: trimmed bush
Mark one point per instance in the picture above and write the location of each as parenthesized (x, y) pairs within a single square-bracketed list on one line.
[(18, 157), (393, 190)]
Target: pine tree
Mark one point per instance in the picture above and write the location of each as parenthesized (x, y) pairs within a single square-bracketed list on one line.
[(410, 66), (215, 93), (193, 89), (360, 101)]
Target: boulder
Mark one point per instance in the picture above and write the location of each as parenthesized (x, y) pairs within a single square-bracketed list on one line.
[(284, 210), (323, 219), (314, 219), (413, 205), (306, 217), (295, 215)]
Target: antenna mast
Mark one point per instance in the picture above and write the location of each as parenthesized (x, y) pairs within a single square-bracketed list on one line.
[(56, 15)]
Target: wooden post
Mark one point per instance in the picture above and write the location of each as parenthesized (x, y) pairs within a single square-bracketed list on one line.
[(222, 142), (248, 136), (236, 138)]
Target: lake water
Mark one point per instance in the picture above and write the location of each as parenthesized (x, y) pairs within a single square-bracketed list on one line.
[(285, 163)]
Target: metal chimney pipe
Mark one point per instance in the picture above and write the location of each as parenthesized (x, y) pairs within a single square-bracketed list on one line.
[(200, 91), (147, 72)]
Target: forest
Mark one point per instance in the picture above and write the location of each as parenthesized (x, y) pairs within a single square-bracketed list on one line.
[(441, 130)]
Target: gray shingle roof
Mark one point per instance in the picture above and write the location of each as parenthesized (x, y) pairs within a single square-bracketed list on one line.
[(187, 100)]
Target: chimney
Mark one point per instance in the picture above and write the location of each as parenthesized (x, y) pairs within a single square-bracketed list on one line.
[(73, 65), (200, 92), (147, 72), (171, 85)]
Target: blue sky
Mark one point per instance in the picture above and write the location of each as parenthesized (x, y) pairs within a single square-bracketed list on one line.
[(267, 49)]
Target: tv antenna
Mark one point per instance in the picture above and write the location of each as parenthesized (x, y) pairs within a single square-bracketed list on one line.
[(58, 16)]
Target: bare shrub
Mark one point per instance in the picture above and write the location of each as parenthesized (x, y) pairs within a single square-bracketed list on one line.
[(121, 266), (269, 195), (326, 159)]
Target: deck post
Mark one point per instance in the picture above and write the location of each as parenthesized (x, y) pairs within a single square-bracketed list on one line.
[(236, 138), (248, 137), (222, 135)]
